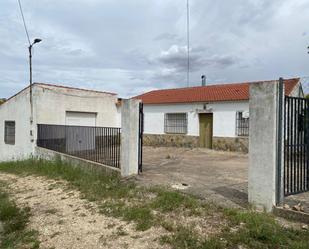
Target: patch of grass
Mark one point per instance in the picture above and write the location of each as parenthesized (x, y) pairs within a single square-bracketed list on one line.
[(260, 230), (168, 201), (13, 222), (186, 237), (141, 215)]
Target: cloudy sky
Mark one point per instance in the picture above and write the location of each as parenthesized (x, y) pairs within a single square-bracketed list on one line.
[(132, 46)]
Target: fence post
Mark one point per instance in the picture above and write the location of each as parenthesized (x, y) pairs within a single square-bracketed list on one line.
[(129, 137), (280, 142), (263, 179)]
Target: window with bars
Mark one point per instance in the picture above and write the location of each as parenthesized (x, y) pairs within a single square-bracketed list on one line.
[(242, 124), (9, 132), (176, 123)]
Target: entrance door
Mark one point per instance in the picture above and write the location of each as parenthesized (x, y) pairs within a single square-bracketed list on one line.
[(206, 122)]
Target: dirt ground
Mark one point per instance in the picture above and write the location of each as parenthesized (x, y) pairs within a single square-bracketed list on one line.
[(64, 220), (302, 198), (212, 175)]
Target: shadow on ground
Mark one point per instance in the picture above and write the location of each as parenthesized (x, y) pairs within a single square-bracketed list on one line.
[(235, 195)]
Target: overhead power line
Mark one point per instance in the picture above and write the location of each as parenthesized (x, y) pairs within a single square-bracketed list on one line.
[(188, 43), (25, 26)]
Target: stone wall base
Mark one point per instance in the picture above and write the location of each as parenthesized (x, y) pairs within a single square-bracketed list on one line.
[(239, 144), (171, 140)]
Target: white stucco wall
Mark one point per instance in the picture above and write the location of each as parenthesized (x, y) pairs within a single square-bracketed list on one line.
[(16, 109), (224, 117), (52, 103)]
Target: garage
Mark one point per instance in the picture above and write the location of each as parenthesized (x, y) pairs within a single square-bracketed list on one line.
[(77, 139), (80, 118)]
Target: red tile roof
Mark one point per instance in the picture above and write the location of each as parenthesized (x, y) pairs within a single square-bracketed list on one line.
[(210, 93)]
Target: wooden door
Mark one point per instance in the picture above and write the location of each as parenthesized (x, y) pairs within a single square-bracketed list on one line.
[(206, 123)]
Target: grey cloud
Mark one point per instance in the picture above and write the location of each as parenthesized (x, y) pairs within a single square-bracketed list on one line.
[(175, 58), (127, 46)]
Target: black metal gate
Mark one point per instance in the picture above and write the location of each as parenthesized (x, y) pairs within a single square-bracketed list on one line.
[(140, 138), (296, 145)]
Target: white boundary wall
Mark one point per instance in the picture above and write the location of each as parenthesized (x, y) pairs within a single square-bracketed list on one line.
[(129, 137), (263, 144)]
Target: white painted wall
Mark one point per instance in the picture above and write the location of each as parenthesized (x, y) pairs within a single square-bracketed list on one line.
[(16, 109), (224, 117)]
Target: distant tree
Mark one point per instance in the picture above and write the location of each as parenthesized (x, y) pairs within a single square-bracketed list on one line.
[(307, 96), (2, 101)]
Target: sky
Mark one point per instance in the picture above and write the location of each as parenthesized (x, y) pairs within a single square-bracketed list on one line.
[(133, 46)]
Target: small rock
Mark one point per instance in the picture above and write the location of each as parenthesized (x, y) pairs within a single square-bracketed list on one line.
[(305, 227), (180, 186), (298, 207), (286, 206)]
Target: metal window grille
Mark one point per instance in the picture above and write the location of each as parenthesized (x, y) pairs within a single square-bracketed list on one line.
[(176, 123), (9, 132), (98, 144), (242, 125)]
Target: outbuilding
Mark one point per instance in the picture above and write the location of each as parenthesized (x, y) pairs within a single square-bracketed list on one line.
[(54, 105), (213, 116)]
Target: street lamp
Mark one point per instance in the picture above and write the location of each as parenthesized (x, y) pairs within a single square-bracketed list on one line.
[(37, 40)]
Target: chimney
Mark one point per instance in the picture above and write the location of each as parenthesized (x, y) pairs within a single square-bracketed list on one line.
[(203, 80)]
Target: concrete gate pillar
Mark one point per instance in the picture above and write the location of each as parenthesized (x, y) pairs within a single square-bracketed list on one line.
[(129, 137), (265, 154)]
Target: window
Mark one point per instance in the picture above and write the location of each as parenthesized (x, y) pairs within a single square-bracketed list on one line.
[(9, 132), (175, 123), (242, 124)]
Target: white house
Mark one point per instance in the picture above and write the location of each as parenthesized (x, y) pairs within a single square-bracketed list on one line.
[(212, 116), (55, 105)]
